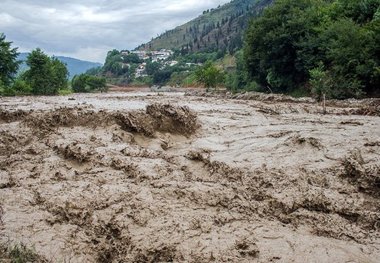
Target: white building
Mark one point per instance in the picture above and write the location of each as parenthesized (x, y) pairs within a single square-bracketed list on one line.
[(140, 71), (141, 54), (161, 55)]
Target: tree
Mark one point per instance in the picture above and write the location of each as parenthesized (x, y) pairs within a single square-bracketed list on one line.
[(132, 58), (39, 73), (113, 63), (238, 79), (360, 11), (86, 83), (273, 42), (209, 75), (152, 68), (162, 76), (320, 82), (349, 56), (285, 47), (8, 61), (79, 83), (60, 74), (45, 76), (97, 83)]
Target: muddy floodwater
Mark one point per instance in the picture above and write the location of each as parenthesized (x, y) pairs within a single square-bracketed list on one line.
[(147, 177)]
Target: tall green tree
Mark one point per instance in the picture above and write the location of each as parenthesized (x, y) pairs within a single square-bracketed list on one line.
[(60, 74), (8, 61), (39, 73), (45, 76)]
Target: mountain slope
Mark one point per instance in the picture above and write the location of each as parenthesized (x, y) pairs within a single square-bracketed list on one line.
[(74, 66), (215, 29)]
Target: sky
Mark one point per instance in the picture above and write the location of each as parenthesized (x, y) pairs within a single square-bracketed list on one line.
[(87, 29)]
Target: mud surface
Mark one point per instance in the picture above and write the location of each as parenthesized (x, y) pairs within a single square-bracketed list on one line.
[(145, 177)]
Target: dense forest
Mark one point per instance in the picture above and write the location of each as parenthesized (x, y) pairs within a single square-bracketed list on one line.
[(315, 46)]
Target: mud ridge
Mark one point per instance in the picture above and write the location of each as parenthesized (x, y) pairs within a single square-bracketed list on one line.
[(13, 115), (157, 117), (364, 176)]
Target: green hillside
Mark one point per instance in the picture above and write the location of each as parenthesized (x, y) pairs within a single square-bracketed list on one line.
[(216, 29)]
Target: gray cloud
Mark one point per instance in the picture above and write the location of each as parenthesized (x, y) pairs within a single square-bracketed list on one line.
[(87, 29)]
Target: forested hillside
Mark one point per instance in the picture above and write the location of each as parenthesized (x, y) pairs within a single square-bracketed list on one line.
[(221, 28), (317, 47)]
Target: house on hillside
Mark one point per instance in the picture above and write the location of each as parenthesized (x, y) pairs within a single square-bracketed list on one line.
[(172, 63), (141, 71), (161, 55), (141, 54)]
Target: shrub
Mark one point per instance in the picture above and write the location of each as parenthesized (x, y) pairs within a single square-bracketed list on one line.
[(320, 82), (87, 83), (21, 87), (209, 75), (333, 85), (65, 92)]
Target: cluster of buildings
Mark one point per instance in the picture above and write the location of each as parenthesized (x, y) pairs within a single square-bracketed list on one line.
[(154, 56), (161, 56)]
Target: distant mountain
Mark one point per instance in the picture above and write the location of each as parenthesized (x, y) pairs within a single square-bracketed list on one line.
[(215, 29), (74, 66)]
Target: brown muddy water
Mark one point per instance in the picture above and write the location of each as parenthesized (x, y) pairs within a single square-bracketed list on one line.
[(146, 177)]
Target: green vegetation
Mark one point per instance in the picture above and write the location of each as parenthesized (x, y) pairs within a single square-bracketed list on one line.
[(8, 63), (45, 76), (119, 67), (209, 75), (237, 79), (113, 64), (87, 83), (330, 46), (65, 92)]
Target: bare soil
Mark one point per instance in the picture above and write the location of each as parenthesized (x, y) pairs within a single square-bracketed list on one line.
[(146, 177)]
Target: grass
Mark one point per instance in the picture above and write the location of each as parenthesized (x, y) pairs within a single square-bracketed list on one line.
[(299, 93), (65, 92)]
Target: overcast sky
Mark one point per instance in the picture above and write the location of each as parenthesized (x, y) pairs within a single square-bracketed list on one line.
[(87, 29)]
